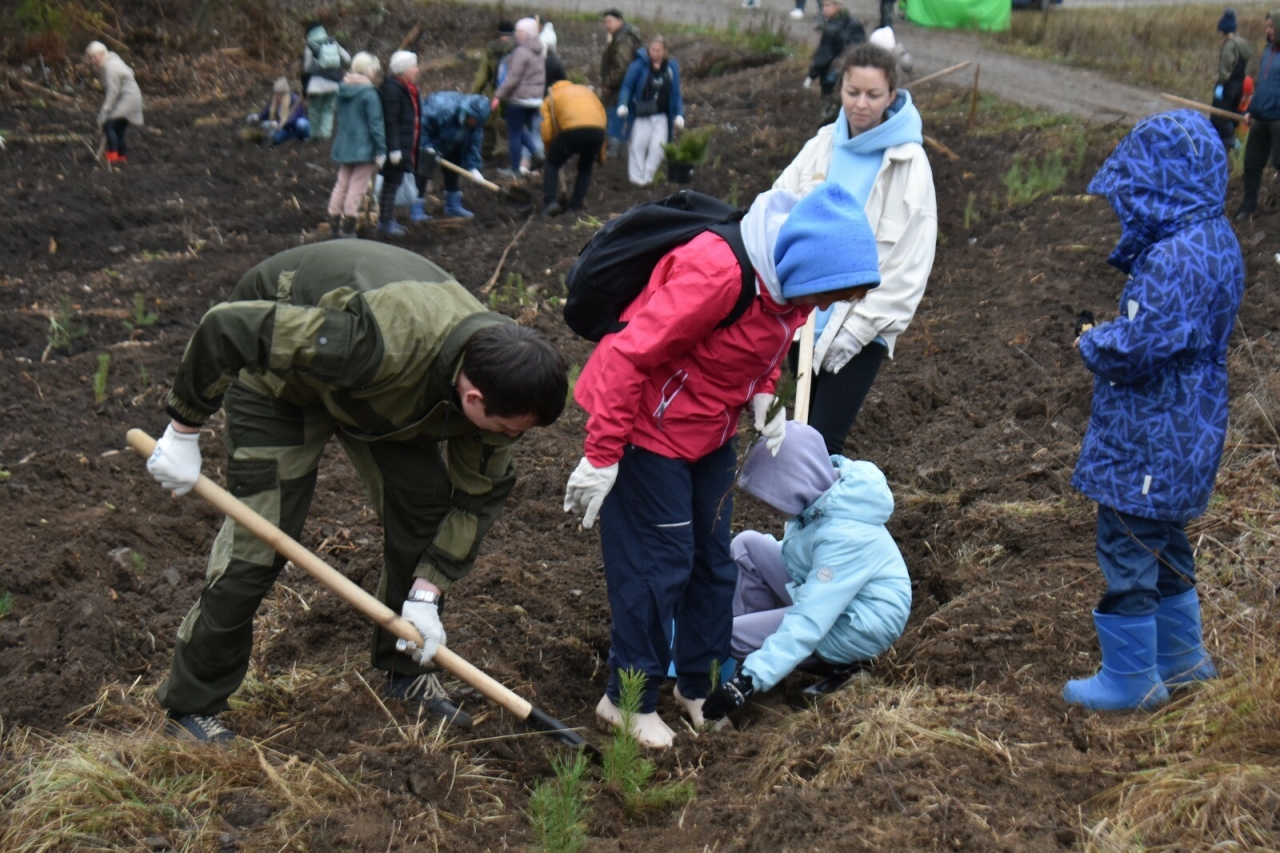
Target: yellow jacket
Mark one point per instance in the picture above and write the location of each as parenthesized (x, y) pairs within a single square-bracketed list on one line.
[(569, 106)]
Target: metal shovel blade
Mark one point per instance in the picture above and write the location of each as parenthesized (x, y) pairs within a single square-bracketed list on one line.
[(544, 722)]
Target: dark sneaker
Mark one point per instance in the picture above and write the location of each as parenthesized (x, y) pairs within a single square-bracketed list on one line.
[(834, 676), (553, 209), (198, 727), (426, 689), (1243, 215)]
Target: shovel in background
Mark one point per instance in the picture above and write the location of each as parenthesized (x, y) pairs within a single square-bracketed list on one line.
[(346, 589), (517, 198)]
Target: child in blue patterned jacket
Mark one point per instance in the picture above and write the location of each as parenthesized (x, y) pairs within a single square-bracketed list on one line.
[(1159, 415), (834, 593)]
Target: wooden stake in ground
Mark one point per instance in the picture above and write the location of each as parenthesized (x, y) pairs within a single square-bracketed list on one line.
[(973, 101), (493, 279), (346, 589), (804, 369)]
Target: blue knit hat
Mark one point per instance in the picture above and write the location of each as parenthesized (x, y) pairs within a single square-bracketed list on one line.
[(826, 244), (1227, 23)]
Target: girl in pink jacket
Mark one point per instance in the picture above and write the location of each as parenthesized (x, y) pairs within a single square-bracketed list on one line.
[(664, 396)]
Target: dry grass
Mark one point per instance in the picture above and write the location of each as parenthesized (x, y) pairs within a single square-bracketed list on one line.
[(1171, 48)]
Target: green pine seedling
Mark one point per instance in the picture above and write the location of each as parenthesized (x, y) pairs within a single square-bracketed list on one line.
[(558, 806), (6, 603), (625, 768), (100, 378)]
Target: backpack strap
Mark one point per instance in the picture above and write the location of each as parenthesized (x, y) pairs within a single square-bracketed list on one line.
[(731, 233)]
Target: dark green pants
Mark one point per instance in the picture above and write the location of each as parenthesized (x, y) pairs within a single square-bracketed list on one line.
[(273, 452)]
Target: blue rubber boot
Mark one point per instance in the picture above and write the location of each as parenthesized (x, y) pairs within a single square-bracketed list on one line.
[(418, 213), (1128, 679), (1180, 655), (391, 228), (453, 205)]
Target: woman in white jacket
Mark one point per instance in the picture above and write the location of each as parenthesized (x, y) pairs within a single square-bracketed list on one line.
[(873, 150)]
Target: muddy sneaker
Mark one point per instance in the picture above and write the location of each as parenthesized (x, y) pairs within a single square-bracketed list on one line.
[(198, 727), (426, 690)]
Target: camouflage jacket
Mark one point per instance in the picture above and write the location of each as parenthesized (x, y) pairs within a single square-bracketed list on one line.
[(617, 58)]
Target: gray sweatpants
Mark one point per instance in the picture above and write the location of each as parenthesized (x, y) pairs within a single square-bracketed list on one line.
[(761, 598)]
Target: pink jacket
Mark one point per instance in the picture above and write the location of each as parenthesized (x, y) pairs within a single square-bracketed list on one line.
[(671, 382)]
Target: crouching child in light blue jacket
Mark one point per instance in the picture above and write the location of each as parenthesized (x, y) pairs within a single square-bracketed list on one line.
[(834, 593)]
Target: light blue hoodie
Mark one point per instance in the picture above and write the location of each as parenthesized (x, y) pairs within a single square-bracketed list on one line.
[(850, 585), (856, 161)]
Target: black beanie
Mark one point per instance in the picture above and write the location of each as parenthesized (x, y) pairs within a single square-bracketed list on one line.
[(1227, 24)]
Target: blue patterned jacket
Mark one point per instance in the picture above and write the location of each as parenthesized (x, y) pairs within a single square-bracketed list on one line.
[(1159, 414), (444, 127)]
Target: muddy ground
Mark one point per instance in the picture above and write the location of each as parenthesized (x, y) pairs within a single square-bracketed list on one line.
[(980, 414)]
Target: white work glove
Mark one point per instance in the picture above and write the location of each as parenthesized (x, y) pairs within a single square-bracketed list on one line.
[(808, 82), (476, 173), (175, 463), (588, 486), (394, 157), (425, 616), (679, 122), (842, 350), (251, 118), (621, 111), (772, 429), (380, 160)]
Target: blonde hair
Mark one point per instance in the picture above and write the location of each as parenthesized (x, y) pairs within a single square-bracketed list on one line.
[(367, 64)]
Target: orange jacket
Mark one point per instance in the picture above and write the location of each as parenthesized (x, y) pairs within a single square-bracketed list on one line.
[(569, 106)]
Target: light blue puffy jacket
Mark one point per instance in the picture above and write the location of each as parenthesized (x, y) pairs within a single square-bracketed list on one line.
[(849, 582)]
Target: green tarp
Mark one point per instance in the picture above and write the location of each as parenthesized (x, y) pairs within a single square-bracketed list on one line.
[(990, 15)]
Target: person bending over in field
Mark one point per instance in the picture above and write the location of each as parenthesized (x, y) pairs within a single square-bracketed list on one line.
[(426, 391), (834, 593), (664, 395)]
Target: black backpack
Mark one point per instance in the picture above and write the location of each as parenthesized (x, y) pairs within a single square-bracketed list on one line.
[(615, 265)]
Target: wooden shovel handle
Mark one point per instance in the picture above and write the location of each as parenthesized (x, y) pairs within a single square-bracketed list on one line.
[(453, 167), (1204, 108), (339, 583), (804, 369)]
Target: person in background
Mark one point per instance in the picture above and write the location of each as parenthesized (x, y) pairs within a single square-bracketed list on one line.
[(885, 38), (400, 114), (1263, 120), (651, 98), (873, 150), (360, 147), (834, 594), (619, 51), (555, 66), (573, 122), (492, 70), (1233, 58), (285, 115), (840, 31), (121, 103), (521, 92), (426, 391), (323, 63), (453, 128), (1158, 419), (663, 398)]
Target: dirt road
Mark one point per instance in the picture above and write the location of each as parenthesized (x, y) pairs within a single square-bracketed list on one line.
[(1025, 81)]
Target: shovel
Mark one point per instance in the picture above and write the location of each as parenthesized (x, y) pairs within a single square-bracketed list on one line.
[(517, 198), (338, 583)]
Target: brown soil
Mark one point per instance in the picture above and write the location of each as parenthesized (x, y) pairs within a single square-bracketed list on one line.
[(983, 405)]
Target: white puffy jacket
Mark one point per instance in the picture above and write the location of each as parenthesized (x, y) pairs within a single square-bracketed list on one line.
[(903, 212)]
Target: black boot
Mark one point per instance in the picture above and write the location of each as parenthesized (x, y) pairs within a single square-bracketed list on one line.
[(834, 676), (347, 229), (335, 225)]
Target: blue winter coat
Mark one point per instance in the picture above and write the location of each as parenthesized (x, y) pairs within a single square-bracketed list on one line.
[(362, 135), (633, 87), (1265, 105), (444, 128), (1159, 414), (850, 586)]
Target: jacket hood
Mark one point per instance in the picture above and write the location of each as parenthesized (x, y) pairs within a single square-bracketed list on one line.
[(861, 494), (351, 85), (760, 229), (902, 124), (1168, 173), (793, 479), (474, 106), (317, 35)]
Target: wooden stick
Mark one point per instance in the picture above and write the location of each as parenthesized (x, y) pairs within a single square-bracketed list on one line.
[(339, 583), (57, 96), (411, 37), (973, 101), (453, 167), (493, 279), (1204, 108), (929, 78), (804, 369), (940, 148)]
